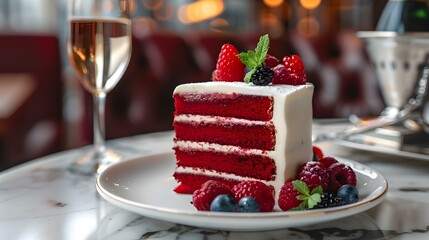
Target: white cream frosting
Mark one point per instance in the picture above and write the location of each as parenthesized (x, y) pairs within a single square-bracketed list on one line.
[(214, 119), (292, 119), (220, 148), (212, 173)]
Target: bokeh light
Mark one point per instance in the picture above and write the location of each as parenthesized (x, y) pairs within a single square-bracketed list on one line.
[(310, 4), (308, 26), (200, 11), (152, 4), (273, 3)]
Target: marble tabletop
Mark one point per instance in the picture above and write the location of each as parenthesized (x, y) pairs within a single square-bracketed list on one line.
[(42, 200)]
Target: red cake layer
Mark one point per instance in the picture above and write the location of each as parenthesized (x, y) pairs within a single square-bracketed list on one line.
[(254, 166), (242, 135), (225, 105), (191, 182)]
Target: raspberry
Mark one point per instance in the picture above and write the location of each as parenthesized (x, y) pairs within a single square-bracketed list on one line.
[(327, 161), (314, 174), (296, 73), (317, 153), (294, 64), (203, 197), (287, 197), (263, 194), (295, 79), (229, 67), (270, 61), (283, 76), (340, 174), (262, 76)]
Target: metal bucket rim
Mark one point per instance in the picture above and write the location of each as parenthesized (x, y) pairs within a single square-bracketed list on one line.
[(409, 36)]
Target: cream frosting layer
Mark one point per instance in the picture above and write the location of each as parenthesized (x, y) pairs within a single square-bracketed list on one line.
[(217, 119), (190, 145), (212, 173)]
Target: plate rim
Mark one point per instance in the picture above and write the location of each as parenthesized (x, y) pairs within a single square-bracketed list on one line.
[(150, 210), (378, 149)]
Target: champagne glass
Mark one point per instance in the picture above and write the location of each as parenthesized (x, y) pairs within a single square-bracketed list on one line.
[(99, 48)]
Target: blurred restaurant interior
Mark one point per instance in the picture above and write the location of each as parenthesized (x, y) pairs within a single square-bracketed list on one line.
[(44, 109)]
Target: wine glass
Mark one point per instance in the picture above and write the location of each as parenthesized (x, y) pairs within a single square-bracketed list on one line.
[(99, 48)]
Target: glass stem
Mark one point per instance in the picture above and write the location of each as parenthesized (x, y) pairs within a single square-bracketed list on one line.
[(99, 122)]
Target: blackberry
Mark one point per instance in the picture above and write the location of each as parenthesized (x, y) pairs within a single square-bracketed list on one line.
[(262, 76), (329, 200)]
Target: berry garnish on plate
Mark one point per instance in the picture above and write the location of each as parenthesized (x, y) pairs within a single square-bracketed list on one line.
[(348, 193), (288, 197), (262, 193), (329, 200), (296, 195), (224, 203), (339, 175), (314, 174), (229, 68), (248, 204), (203, 197), (327, 161)]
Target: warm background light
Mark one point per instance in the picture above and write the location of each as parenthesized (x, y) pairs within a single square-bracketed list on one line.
[(273, 3), (152, 4), (308, 27), (310, 4), (200, 10)]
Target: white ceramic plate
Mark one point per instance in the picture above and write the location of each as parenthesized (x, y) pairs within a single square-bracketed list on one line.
[(145, 186)]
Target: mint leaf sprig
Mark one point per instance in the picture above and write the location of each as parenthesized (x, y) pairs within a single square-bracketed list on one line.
[(255, 59), (309, 199)]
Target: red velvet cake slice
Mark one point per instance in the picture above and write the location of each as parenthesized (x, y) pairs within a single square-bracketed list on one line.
[(234, 131)]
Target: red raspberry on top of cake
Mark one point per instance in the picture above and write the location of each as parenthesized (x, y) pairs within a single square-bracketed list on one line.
[(229, 68)]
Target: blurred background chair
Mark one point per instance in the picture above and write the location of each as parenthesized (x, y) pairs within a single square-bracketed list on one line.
[(30, 69)]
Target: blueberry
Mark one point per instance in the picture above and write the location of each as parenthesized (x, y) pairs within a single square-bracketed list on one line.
[(224, 203), (348, 193), (248, 204)]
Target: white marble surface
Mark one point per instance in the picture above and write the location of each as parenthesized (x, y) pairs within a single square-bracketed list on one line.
[(42, 200)]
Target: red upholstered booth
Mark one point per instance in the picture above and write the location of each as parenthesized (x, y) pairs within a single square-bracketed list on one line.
[(31, 122)]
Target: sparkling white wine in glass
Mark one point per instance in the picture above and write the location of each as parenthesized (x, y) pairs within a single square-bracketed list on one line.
[(99, 48), (100, 51)]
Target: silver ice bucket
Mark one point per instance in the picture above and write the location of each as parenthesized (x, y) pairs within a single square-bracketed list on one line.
[(399, 59)]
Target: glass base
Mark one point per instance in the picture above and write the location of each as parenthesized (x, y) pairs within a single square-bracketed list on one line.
[(94, 162)]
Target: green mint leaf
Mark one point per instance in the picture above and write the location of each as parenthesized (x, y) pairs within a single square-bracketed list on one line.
[(248, 58), (302, 197), (318, 190), (255, 59), (313, 200), (261, 49), (301, 187), (302, 206), (249, 75)]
